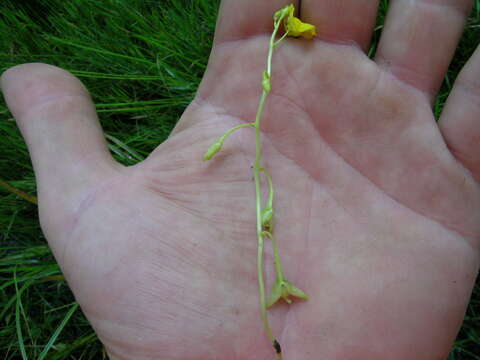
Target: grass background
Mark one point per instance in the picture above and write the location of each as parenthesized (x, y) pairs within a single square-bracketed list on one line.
[(142, 61)]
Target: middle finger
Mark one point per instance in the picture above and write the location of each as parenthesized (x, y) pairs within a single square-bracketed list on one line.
[(342, 21)]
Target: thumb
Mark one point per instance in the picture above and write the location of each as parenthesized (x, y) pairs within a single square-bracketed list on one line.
[(58, 121)]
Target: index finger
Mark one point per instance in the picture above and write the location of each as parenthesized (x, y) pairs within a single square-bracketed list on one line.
[(242, 19)]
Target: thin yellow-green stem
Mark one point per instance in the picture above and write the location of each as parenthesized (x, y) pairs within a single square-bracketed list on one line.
[(280, 40), (258, 195), (276, 257), (260, 266), (232, 130), (270, 188)]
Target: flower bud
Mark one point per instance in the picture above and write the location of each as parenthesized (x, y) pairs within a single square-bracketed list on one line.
[(212, 150), (281, 13)]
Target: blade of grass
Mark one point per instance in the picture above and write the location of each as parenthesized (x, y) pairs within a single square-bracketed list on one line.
[(17, 192), (57, 332), (100, 51), (18, 307), (125, 147)]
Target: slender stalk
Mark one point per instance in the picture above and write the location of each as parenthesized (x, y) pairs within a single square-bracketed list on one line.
[(276, 257), (232, 130), (282, 288), (270, 188), (261, 244), (280, 40), (256, 172)]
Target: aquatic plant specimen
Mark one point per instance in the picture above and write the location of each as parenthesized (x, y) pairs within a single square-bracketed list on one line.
[(282, 289)]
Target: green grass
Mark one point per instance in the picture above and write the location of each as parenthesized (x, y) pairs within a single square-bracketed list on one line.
[(142, 61)]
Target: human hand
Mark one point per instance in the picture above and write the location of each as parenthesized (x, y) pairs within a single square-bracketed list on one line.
[(377, 205)]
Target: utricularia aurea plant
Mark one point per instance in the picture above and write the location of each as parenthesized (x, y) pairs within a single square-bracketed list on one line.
[(282, 289)]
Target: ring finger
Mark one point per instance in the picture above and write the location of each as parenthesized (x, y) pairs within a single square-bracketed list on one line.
[(420, 38)]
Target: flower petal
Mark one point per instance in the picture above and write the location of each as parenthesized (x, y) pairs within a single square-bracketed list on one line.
[(294, 291), (275, 294), (295, 27)]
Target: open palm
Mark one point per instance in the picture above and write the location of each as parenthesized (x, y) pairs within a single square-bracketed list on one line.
[(377, 207)]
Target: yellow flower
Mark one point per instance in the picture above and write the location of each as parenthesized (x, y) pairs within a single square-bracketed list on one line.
[(295, 27)]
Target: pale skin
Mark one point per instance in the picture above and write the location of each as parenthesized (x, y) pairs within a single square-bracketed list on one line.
[(377, 205)]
